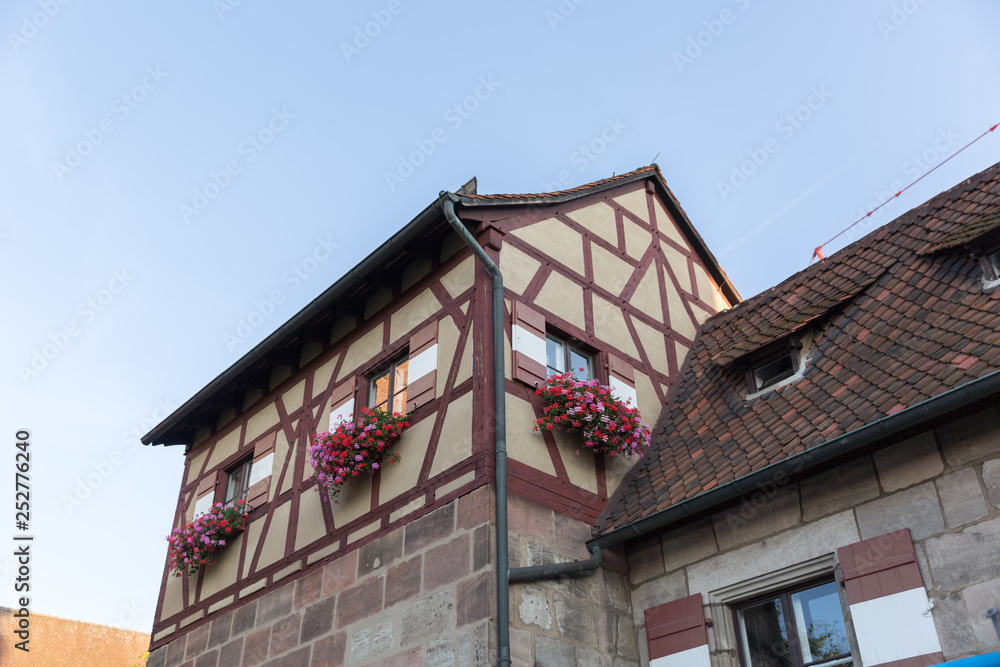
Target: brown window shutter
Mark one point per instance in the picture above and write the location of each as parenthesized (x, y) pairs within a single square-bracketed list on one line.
[(879, 566), (343, 393), (622, 369), (423, 339), (421, 389), (676, 627), (528, 345), (210, 484), (889, 606), (258, 491)]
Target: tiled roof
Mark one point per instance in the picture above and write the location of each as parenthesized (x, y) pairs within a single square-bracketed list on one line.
[(60, 641), (897, 317)]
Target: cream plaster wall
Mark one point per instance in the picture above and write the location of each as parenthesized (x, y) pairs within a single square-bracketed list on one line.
[(416, 310), (635, 202), (361, 351), (310, 520), (556, 240), (598, 219), (223, 573), (563, 298), (524, 444), (399, 478), (461, 278), (518, 268), (610, 271), (610, 327), (455, 443)]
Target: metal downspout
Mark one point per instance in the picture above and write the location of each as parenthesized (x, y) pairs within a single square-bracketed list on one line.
[(448, 200), (559, 569)]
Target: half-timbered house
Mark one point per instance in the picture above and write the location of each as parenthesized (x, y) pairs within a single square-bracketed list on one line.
[(610, 277)]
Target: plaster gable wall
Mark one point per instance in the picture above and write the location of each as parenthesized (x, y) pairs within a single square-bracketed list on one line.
[(614, 273)]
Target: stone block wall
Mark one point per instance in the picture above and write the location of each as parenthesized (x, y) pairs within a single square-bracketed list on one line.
[(943, 484), (421, 595), (582, 619), (425, 594)]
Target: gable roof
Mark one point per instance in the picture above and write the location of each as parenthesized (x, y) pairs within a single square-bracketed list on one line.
[(312, 324), (896, 318)]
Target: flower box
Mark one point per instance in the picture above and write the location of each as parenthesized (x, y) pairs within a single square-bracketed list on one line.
[(605, 423), (355, 447), (196, 544)]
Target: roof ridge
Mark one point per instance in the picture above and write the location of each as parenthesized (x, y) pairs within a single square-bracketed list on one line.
[(579, 188)]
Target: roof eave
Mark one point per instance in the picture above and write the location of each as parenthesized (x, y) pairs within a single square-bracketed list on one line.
[(395, 244)]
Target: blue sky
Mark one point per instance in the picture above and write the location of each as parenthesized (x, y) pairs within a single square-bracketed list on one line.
[(169, 169)]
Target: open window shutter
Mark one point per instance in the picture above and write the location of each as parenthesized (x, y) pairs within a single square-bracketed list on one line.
[(342, 403), (621, 378), (676, 635), (260, 470), (528, 345), (888, 601), (422, 368), (207, 487)]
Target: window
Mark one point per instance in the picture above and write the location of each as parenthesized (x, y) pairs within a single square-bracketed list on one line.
[(772, 372), (990, 264), (795, 628), (774, 364), (237, 482), (387, 386), (561, 355)]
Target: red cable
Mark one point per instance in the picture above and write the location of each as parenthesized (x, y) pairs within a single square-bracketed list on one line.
[(817, 252)]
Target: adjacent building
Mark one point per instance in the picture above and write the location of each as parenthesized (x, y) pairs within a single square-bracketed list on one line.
[(825, 482), (62, 641)]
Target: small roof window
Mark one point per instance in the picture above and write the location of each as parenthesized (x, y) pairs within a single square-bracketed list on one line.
[(774, 365), (991, 266), (773, 372)]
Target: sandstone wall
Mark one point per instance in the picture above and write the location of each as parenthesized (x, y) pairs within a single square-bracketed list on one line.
[(944, 485)]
